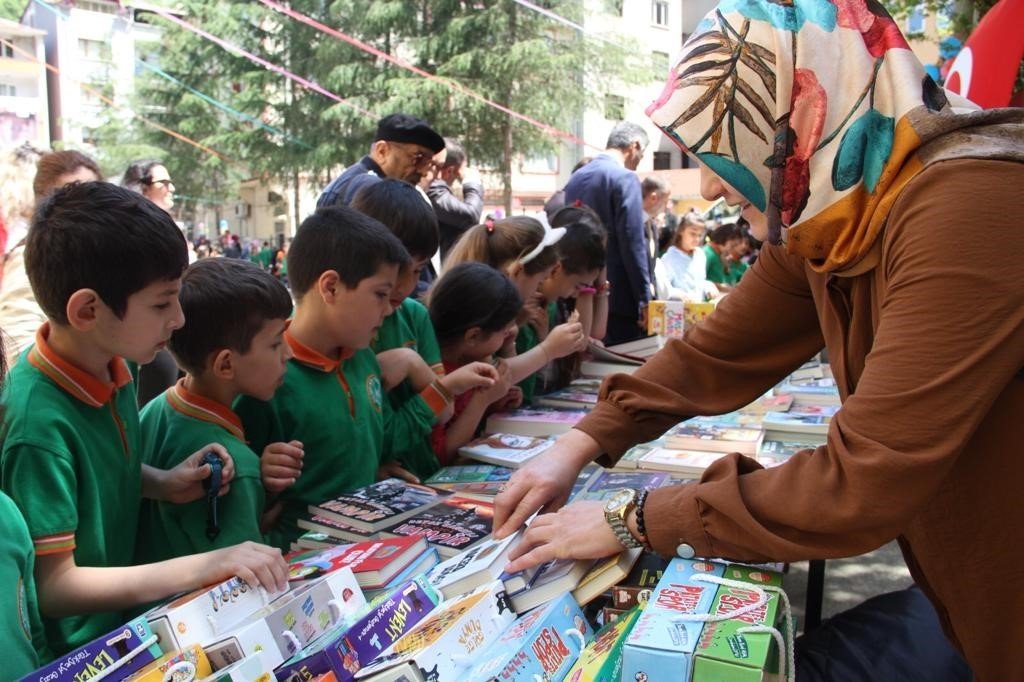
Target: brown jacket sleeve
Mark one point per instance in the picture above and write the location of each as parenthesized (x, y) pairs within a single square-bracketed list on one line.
[(949, 339)]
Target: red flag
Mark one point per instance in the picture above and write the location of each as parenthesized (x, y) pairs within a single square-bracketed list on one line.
[(986, 68)]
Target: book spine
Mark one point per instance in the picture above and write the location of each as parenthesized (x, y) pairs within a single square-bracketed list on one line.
[(126, 649)]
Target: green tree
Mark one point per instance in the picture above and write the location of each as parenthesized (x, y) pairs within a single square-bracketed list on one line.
[(963, 14), (12, 9)]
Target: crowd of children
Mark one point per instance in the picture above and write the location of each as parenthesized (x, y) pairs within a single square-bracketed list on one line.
[(298, 403)]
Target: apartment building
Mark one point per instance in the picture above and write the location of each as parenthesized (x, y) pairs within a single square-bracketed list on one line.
[(23, 111)]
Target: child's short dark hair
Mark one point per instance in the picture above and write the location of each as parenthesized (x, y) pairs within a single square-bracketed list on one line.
[(341, 239), (404, 211), (472, 295), (583, 248), (226, 302), (724, 233), (94, 235)]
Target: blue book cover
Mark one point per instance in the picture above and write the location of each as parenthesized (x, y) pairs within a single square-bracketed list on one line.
[(661, 644), (134, 641), (605, 483), (543, 644)]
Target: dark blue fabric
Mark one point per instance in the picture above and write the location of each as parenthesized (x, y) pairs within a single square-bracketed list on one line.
[(344, 187), (893, 637), (614, 193)]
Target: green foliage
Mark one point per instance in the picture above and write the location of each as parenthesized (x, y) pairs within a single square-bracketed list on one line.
[(963, 14), (12, 9)]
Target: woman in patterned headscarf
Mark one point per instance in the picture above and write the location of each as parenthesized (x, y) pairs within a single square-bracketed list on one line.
[(882, 200)]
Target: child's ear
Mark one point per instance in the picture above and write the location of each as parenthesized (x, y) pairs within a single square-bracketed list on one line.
[(554, 271), (329, 285), (473, 336), (82, 309), (223, 366), (513, 270)]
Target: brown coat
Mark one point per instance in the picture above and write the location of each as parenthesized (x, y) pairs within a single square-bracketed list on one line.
[(928, 355)]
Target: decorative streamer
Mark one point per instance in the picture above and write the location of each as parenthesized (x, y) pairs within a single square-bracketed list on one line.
[(567, 22)]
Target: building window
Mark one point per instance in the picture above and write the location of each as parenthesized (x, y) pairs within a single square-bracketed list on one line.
[(8, 90), (614, 107), (915, 21), (96, 50), (7, 50), (659, 12), (660, 62), (662, 160)]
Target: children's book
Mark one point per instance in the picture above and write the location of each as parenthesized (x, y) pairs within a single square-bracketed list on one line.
[(604, 574), (636, 588), (601, 660), (445, 644), (476, 566), (359, 639), (701, 435), (379, 505), (506, 449), (665, 318), (812, 419), (543, 645), (543, 421), (190, 661), (374, 562), (606, 482), (342, 532), (452, 526), (550, 580), (452, 476), (691, 462), (661, 644), (768, 403), (131, 647), (420, 566)]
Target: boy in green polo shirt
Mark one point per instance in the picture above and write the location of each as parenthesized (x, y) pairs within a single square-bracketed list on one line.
[(232, 344), (105, 265), (343, 267)]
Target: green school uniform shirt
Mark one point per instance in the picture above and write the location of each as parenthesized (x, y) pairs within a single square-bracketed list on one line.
[(716, 270), (24, 644), (174, 426), (71, 461), (412, 419), (336, 409), (736, 272)]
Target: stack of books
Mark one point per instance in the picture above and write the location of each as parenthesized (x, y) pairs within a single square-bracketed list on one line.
[(534, 421), (619, 358)]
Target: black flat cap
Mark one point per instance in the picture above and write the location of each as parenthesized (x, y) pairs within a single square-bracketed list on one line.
[(406, 128)]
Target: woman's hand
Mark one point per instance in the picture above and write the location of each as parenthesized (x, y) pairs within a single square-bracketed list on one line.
[(577, 531)]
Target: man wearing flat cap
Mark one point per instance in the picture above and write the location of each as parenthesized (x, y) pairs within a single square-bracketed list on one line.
[(403, 149)]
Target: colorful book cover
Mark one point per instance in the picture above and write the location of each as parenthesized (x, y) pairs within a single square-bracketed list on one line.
[(506, 449), (134, 643), (480, 490), (452, 526), (421, 566), (682, 461), (724, 654), (768, 403), (601, 660), (695, 313), (445, 644), (468, 473), (379, 504), (549, 580), (538, 421), (190, 663), (476, 566), (357, 641), (333, 528), (606, 483), (813, 419), (698, 434), (374, 562), (661, 644), (666, 318), (775, 451), (567, 397), (583, 479), (811, 392), (636, 588), (543, 644), (312, 539)]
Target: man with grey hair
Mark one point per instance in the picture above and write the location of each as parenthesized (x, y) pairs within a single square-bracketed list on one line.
[(609, 185), (454, 215), (655, 192)]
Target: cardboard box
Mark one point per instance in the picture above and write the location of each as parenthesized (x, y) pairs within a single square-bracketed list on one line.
[(131, 647), (661, 644)]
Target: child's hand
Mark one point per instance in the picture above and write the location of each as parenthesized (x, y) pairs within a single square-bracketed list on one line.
[(512, 400), (500, 387), (184, 483), (254, 563), (393, 469), (537, 314), (473, 375), (565, 339), (394, 366), (280, 465)]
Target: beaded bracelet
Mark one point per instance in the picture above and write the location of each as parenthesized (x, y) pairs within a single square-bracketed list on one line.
[(641, 525)]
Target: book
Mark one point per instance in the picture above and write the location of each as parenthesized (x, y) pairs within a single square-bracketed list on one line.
[(476, 566), (543, 645), (331, 528), (452, 526), (599, 368), (601, 660), (777, 448), (583, 479), (421, 565), (567, 398), (357, 640), (379, 505), (450, 476), (665, 318), (768, 403), (813, 419), (189, 661), (606, 482), (130, 647), (478, 490), (442, 646), (506, 449), (541, 421), (643, 347), (635, 589), (812, 392), (601, 353), (246, 670), (604, 574), (661, 643), (312, 539), (631, 458), (374, 562), (691, 462), (812, 369), (702, 435), (549, 580)]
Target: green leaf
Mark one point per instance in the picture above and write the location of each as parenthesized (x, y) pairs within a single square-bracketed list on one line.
[(863, 151)]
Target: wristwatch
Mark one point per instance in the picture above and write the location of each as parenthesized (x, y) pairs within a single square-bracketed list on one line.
[(616, 509)]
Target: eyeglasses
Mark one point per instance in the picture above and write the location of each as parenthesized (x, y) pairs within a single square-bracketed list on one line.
[(418, 159), (166, 182)]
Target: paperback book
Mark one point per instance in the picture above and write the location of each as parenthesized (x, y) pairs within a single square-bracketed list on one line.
[(450, 476), (604, 574), (549, 580), (690, 462), (541, 421), (812, 392), (601, 353), (702, 435), (811, 419), (379, 505), (476, 566), (768, 403), (130, 647), (567, 398), (421, 565), (599, 368), (606, 482), (374, 562), (335, 529), (452, 526), (506, 449), (312, 539)]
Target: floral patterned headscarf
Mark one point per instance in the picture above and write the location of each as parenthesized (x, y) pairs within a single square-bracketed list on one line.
[(819, 114)]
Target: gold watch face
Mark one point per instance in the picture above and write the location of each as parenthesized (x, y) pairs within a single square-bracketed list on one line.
[(618, 500)]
